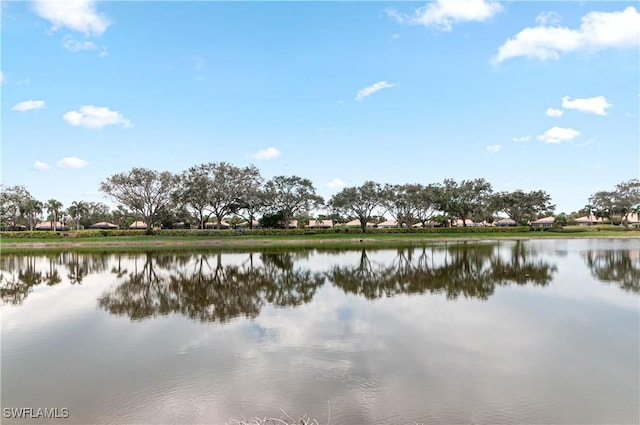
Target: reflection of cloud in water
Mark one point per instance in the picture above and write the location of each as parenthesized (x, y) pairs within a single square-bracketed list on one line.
[(519, 356)]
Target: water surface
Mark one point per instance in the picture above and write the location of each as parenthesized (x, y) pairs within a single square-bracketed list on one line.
[(543, 332)]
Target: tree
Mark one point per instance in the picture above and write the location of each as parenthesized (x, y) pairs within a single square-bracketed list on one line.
[(290, 195), (32, 209), (53, 207), (464, 199), (253, 201), (11, 198), (623, 200), (359, 201), (144, 191), (228, 187), (193, 193), (217, 188), (404, 202), (77, 210), (523, 207)]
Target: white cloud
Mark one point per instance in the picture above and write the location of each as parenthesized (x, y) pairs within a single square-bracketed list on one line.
[(493, 148), (28, 105), (72, 162), (95, 117), (335, 183), (554, 112), (548, 18), (268, 153), (2, 77), (595, 105), (76, 15), (522, 138), (442, 14), (368, 91), (41, 166), (598, 30), (558, 135), (73, 45)]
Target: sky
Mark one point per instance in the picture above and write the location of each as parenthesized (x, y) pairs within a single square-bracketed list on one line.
[(527, 95)]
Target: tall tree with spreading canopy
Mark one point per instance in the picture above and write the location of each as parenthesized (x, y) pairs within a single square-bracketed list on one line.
[(466, 198), (11, 198), (623, 200), (404, 202), (218, 189), (142, 190), (291, 194), (360, 201), (523, 207)]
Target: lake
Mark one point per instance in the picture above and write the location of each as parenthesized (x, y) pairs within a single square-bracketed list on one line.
[(509, 332)]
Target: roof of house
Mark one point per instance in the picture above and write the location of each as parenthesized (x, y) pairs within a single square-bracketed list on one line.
[(544, 220), (320, 223), (49, 225), (459, 222), (138, 225), (104, 225), (356, 223), (505, 221), (388, 223), (590, 219)]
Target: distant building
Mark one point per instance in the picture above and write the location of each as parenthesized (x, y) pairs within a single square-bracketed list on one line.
[(505, 222), (49, 225), (319, 224), (543, 222)]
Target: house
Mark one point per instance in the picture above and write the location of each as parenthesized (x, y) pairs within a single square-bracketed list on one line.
[(104, 225), (293, 224), (388, 224), (632, 219), (139, 225), (428, 223), (356, 223), (214, 225), (49, 225), (319, 224), (543, 222), (245, 224), (589, 220), (468, 222), (505, 222)]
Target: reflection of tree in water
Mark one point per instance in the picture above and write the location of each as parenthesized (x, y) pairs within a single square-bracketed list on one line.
[(471, 271), (621, 267), (201, 287), (19, 275), (20, 272)]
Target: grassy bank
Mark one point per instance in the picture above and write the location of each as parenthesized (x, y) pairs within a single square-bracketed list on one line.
[(326, 239)]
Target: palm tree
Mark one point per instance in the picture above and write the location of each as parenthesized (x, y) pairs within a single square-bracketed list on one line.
[(77, 210), (53, 207), (31, 209)]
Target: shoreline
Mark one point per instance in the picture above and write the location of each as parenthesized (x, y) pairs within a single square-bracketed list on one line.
[(366, 240)]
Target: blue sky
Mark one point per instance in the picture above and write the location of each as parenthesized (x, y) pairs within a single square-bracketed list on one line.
[(528, 95)]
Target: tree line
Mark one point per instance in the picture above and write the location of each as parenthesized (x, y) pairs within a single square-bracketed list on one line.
[(219, 190)]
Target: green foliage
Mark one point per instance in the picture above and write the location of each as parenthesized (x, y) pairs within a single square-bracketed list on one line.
[(31, 235)]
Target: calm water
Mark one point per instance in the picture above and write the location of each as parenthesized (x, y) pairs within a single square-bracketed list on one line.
[(536, 332)]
